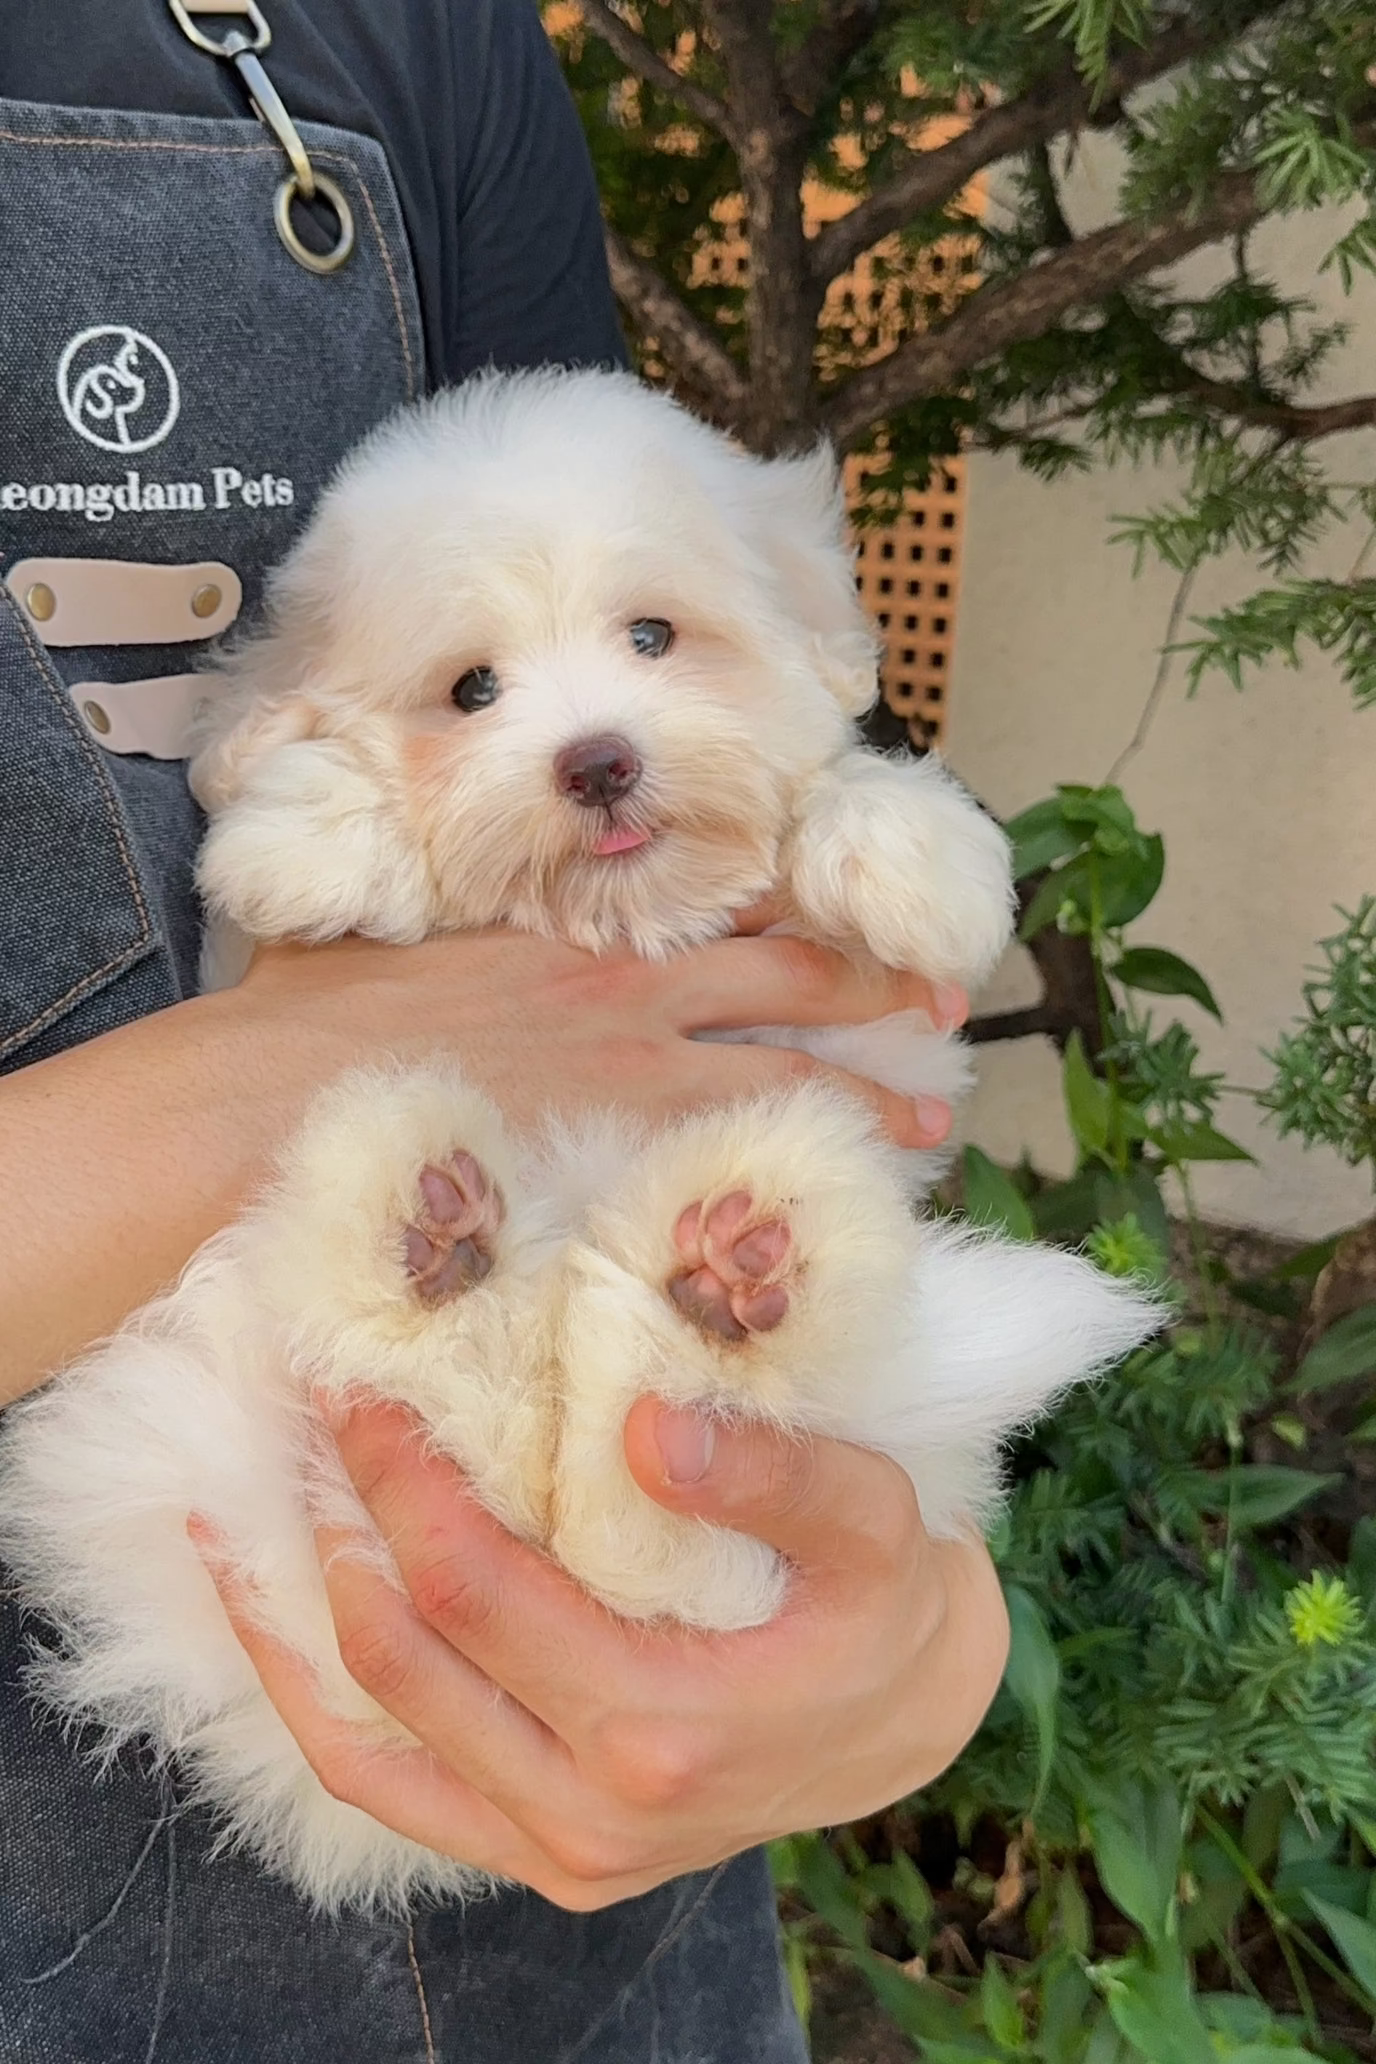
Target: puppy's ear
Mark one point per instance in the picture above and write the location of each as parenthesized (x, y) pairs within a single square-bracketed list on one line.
[(799, 527)]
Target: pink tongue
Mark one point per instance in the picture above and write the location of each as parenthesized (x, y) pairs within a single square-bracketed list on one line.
[(621, 841)]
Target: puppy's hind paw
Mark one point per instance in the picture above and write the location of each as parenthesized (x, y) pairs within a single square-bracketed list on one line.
[(450, 1245), (737, 1268)]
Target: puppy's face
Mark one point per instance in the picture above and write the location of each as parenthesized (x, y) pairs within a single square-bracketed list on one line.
[(585, 653)]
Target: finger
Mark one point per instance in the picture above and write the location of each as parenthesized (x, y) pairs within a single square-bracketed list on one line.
[(786, 981), (405, 1788), (410, 1790), (913, 1122), (499, 1602), (842, 1515), (770, 910), (477, 1730)]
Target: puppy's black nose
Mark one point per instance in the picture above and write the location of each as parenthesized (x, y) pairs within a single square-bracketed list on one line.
[(597, 771)]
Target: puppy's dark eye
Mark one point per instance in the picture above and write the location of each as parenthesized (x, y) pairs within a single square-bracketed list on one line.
[(651, 636), (477, 688)]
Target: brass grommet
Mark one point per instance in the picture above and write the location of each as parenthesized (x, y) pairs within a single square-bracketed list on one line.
[(40, 601), (206, 600), (314, 261), (96, 717)]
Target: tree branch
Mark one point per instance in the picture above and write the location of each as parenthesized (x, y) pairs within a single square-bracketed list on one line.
[(845, 27), (745, 39), (1028, 303), (931, 178), (1018, 1024), (1297, 422), (688, 346), (782, 301), (648, 65)]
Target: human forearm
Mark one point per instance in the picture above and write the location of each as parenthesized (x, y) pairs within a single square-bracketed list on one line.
[(121, 1156)]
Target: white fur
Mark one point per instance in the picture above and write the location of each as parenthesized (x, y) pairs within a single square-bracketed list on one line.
[(524, 523)]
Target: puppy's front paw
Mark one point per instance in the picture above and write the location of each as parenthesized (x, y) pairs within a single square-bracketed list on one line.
[(897, 857), (737, 1266), (450, 1244)]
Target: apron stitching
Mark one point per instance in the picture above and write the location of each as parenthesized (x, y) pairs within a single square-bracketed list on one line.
[(661, 1948), (69, 717), (342, 159), (414, 1962), (213, 150), (252, 150)]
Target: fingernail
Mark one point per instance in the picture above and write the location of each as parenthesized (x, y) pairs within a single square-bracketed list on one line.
[(933, 1118), (686, 1441), (950, 1005), (205, 1538)]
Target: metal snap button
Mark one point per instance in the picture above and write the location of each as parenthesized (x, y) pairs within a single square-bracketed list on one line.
[(96, 717), (206, 600), (40, 601)]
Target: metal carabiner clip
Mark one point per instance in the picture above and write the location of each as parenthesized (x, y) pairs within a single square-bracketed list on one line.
[(241, 47)]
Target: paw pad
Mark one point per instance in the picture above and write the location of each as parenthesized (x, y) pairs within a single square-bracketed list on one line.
[(449, 1244), (732, 1284)]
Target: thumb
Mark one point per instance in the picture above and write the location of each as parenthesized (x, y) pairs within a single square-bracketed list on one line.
[(822, 1503)]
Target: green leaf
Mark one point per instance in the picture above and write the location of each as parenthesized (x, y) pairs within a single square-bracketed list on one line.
[(1106, 2044), (991, 1198), (1256, 1493), (795, 1968), (1101, 1196), (1356, 1939), (825, 1886), (1003, 2017), (1128, 882), (1272, 2053), (1088, 1099), (1136, 1833), (1033, 1675), (1309, 1262), (1346, 1351), (1197, 1143), (1106, 807), (1164, 974), (911, 1895), (918, 2008), (1066, 2000), (1066, 886), (1153, 2005), (1040, 836)]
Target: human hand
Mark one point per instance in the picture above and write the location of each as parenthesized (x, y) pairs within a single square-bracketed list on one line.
[(165, 1127), (591, 1758), (542, 1026)]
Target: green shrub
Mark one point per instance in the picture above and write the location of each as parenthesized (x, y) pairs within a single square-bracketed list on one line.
[(1162, 1844)]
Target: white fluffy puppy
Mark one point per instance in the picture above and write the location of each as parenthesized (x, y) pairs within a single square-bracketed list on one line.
[(553, 655)]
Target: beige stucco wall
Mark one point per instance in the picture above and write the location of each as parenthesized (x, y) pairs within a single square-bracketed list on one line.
[(1267, 801)]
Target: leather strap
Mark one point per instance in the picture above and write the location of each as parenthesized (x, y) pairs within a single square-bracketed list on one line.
[(152, 717), (124, 601)]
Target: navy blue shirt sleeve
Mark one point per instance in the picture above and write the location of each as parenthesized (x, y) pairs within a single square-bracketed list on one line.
[(530, 273)]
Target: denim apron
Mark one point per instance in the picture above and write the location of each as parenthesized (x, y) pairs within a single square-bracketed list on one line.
[(175, 389)]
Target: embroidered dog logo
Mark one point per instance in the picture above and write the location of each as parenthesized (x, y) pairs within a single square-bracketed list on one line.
[(117, 388)]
